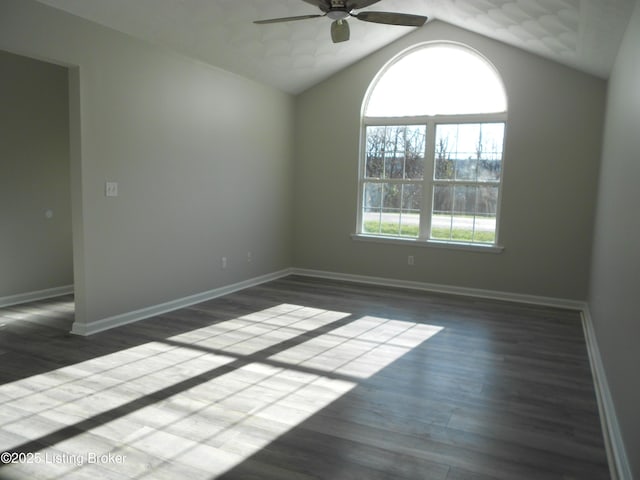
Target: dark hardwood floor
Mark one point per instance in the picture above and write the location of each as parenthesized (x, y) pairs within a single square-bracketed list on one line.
[(302, 378)]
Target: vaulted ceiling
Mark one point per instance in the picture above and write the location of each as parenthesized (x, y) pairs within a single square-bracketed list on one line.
[(293, 56)]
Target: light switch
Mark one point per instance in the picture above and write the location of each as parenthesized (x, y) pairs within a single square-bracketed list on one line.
[(111, 189)]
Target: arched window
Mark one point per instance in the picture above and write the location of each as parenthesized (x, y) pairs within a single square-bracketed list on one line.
[(432, 154)]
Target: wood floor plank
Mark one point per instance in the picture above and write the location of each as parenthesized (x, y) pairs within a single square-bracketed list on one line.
[(304, 378)]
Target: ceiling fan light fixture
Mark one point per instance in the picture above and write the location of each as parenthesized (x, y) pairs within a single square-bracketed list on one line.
[(339, 31), (337, 14)]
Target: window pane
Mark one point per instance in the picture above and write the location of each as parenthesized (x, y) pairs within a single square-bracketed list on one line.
[(392, 209), (464, 213), (391, 200), (444, 165), (442, 199), (491, 144), (414, 151), (486, 211), (372, 209), (375, 152), (395, 151), (442, 207), (372, 197), (470, 152), (487, 200), (411, 204), (463, 83)]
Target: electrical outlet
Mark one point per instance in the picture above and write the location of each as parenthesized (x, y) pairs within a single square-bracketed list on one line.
[(410, 260), (111, 189), (249, 257), (223, 262)]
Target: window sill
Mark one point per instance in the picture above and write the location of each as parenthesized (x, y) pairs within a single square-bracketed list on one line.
[(473, 247)]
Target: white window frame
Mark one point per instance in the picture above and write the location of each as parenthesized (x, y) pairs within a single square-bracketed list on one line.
[(428, 181)]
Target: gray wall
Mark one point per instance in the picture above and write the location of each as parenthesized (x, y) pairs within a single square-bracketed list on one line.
[(202, 158), (35, 252), (552, 154), (615, 278)]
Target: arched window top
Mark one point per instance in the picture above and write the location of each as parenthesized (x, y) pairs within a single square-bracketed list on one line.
[(436, 79)]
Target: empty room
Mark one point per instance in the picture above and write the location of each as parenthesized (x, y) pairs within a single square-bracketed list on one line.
[(319, 239)]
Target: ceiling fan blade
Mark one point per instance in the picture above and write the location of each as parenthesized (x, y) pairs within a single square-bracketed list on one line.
[(339, 31), (358, 4), (389, 18), (286, 19)]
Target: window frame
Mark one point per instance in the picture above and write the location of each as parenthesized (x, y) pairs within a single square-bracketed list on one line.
[(428, 181)]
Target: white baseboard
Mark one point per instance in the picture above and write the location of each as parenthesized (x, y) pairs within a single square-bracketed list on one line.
[(141, 314), (618, 462), (33, 296), (439, 288), (133, 316)]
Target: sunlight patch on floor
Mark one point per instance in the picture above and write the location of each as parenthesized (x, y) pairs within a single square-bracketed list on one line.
[(42, 312), (198, 403)]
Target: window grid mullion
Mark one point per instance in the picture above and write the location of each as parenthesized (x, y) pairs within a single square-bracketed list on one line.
[(424, 232), (398, 181), (467, 183)]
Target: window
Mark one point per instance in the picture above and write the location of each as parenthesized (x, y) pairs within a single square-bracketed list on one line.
[(433, 135)]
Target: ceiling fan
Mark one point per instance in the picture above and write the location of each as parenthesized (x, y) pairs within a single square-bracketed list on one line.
[(340, 10)]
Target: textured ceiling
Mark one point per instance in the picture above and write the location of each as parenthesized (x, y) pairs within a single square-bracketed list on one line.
[(293, 56)]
